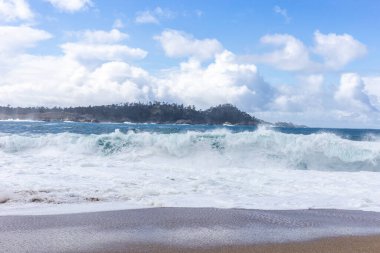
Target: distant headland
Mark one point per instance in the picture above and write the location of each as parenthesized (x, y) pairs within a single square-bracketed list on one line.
[(156, 112), (153, 112)]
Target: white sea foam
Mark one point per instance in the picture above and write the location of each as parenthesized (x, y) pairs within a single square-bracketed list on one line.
[(262, 169), (372, 137), (20, 120)]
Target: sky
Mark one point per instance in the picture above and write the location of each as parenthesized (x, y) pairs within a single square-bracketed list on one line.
[(315, 63)]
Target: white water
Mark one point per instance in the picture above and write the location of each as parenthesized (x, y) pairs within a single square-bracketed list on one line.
[(262, 170)]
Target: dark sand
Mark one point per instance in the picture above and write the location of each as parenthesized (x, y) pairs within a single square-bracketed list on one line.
[(194, 230), (358, 244)]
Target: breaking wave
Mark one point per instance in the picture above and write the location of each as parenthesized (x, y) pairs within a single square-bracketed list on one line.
[(258, 149)]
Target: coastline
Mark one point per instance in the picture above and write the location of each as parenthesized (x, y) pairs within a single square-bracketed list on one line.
[(194, 230), (161, 113), (179, 122)]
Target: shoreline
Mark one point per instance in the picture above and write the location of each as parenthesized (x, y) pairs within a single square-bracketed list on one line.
[(192, 230), (139, 123), (49, 209)]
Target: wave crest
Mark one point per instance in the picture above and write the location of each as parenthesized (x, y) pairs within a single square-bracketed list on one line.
[(262, 148)]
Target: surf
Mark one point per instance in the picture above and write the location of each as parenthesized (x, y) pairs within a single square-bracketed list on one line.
[(319, 151)]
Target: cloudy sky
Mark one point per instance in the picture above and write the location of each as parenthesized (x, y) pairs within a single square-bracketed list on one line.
[(309, 62)]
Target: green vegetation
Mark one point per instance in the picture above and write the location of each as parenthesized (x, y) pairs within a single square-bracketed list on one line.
[(156, 112)]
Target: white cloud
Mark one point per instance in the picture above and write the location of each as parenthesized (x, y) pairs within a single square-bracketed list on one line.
[(153, 16), (92, 70), (337, 50), (12, 10), (313, 100), (372, 88), (372, 85), (223, 81), (283, 12), (312, 83), (292, 54), (103, 52), (70, 5), (96, 68), (72, 82), (18, 38), (100, 36), (306, 94), (102, 46), (179, 44), (351, 93), (24, 79)]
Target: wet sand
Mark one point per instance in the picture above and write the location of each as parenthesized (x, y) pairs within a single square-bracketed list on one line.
[(194, 230), (359, 244)]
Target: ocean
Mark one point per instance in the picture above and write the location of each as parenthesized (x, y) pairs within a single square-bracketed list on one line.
[(155, 165)]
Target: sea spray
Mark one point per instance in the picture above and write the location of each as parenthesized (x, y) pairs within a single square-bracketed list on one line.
[(319, 151), (162, 165)]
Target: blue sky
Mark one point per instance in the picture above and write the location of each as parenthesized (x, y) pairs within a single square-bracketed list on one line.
[(310, 62)]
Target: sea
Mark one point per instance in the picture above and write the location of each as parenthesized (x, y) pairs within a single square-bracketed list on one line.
[(107, 165)]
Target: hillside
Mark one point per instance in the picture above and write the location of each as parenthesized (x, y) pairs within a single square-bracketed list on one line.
[(134, 112)]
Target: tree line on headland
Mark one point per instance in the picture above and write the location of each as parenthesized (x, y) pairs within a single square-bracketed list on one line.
[(153, 112)]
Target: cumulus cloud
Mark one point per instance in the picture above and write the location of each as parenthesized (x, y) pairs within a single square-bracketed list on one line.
[(101, 45), (100, 36), (372, 88), (225, 80), (351, 92), (18, 38), (178, 44), (76, 82), (83, 51), (301, 96), (313, 83), (92, 70), (153, 16), (12, 10), (97, 67), (292, 54), (73, 83), (372, 85), (354, 101), (337, 50), (70, 5), (312, 97)]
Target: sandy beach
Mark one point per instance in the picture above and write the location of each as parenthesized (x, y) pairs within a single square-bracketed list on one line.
[(193, 230), (362, 244)]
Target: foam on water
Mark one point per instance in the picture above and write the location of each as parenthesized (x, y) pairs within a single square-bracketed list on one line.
[(219, 168), (20, 120), (321, 151)]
